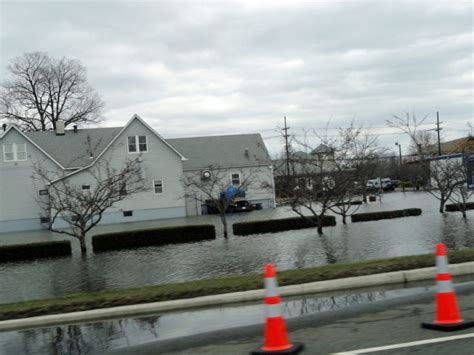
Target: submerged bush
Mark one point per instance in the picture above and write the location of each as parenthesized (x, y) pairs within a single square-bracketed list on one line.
[(35, 250), (453, 207), (148, 237), (375, 216), (280, 225)]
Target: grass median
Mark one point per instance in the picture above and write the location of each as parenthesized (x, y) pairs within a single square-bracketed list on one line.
[(122, 297)]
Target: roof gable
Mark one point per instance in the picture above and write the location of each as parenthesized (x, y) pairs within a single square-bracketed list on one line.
[(135, 117), (16, 129)]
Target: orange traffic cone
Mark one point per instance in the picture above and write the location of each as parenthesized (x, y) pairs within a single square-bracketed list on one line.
[(276, 338), (448, 317)]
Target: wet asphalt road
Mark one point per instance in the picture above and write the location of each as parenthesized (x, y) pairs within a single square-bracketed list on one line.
[(359, 327)]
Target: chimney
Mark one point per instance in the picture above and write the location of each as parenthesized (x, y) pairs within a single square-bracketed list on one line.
[(4, 126), (60, 128), (75, 128)]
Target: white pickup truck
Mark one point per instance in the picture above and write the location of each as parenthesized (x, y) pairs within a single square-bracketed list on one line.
[(377, 184)]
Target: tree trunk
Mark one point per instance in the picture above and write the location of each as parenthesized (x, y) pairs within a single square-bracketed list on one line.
[(320, 224), (82, 241), (344, 219), (224, 225), (441, 204)]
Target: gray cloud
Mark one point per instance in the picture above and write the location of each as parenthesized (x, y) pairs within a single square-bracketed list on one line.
[(213, 67)]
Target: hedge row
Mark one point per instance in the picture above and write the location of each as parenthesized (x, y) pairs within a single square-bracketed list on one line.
[(34, 250), (280, 225), (352, 203), (454, 207), (375, 216), (147, 237)]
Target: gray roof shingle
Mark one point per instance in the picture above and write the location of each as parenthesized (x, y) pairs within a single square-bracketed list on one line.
[(222, 151), (74, 150)]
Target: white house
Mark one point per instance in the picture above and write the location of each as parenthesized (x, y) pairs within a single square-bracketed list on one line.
[(69, 154)]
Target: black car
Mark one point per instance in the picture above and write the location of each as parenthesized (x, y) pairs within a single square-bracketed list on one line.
[(240, 206)]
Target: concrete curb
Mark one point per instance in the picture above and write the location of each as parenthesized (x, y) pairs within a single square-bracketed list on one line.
[(388, 278)]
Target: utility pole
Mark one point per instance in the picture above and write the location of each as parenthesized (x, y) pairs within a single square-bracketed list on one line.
[(287, 149), (438, 129)]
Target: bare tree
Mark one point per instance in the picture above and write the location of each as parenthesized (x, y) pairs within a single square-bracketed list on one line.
[(208, 187), (43, 90), (461, 192), (410, 126), (360, 151), (346, 194), (423, 141), (447, 175), (331, 176), (310, 190), (82, 207)]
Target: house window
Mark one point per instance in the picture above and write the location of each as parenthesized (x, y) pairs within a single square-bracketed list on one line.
[(142, 146), (127, 213), (43, 192), (14, 152), (132, 144), (44, 220), (158, 186), (86, 187), (235, 179), (137, 144)]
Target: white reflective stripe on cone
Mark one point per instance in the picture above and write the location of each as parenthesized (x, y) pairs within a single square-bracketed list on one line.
[(273, 310), (445, 287), (270, 287), (442, 264)]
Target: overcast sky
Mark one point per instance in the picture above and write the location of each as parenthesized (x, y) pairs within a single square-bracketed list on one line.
[(224, 67)]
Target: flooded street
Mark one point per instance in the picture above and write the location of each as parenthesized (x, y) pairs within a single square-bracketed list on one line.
[(236, 255), (151, 331)]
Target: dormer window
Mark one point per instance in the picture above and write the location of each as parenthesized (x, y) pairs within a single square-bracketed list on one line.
[(14, 152), (137, 144)]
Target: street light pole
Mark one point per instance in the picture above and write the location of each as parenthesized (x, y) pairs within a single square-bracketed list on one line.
[(400, 160)]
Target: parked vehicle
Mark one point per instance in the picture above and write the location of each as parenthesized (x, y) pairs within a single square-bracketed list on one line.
[(376, 184), (233, 199), (240, 205)]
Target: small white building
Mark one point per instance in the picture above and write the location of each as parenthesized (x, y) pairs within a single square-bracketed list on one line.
[(69, 154)]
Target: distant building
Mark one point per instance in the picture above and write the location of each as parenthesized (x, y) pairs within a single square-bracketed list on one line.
[(455, 146), (462, 150), (302, 166)]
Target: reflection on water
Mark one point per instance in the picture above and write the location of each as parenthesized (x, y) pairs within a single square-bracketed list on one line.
[(115, 334), (239, 255)]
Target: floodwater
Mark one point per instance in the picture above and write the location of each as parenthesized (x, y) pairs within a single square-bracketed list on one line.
[(120, 334), (236, 255)]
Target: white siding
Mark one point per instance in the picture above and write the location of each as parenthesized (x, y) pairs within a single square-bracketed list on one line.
[(160, 162), (19, 192)]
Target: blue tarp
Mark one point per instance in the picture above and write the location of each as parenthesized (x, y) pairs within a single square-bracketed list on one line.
[(232, 192)]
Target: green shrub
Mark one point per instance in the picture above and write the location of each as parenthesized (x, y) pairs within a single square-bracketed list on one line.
[(280, 225), (374, 216), (35, 250), (148, 237), (452, 207), (407, 184)]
